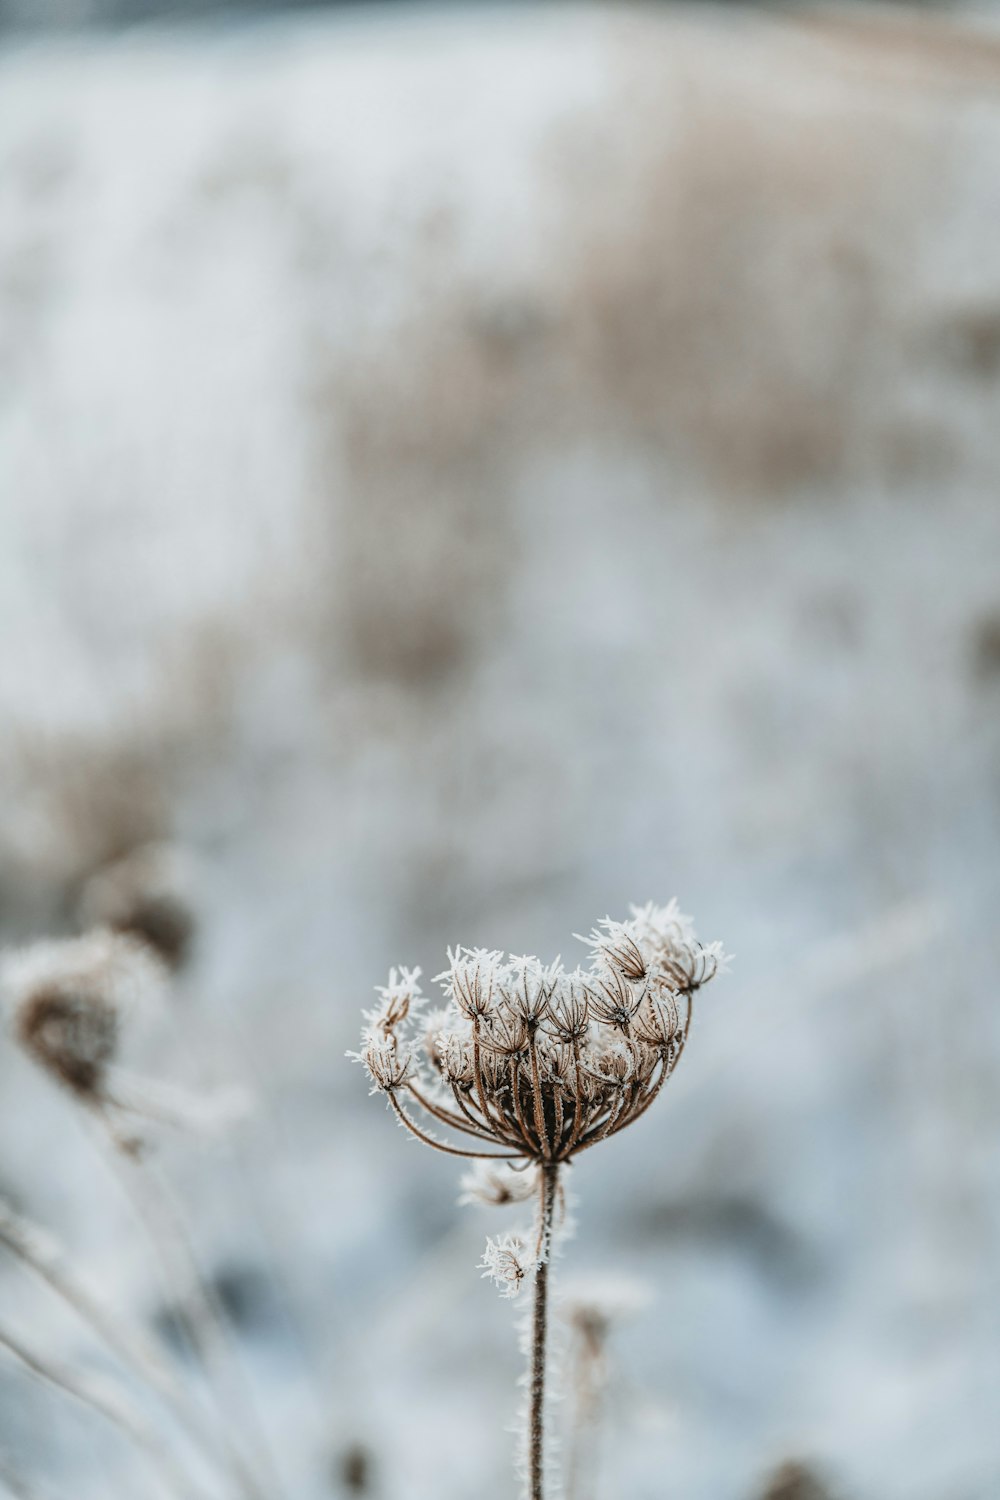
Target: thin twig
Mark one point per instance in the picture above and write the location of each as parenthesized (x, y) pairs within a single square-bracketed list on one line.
[(97, 1394), (41, 1253), (201, 1317)]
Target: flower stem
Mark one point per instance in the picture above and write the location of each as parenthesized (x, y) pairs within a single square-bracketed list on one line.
[(548, 1175)]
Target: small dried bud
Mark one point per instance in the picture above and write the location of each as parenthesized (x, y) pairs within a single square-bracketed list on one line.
[(496, 1184), (455, 1053), (617, 947), (507, 1034), (613, 1064), (615, 1001), (669, 943), (68, 1000), (437, 1026), (470, 980), (506, 1262), (569, 1013), (388, 1065), (658, 1021), (529, 990), (399, 997)]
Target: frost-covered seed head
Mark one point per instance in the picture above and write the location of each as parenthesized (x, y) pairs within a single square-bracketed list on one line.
[(531, 1061), (69, 999), (614, 943)]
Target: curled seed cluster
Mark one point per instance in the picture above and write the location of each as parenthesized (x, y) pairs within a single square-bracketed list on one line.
[(539, 1061)]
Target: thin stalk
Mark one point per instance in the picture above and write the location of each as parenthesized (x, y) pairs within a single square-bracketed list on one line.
[(104, 1399), (16, 1484), (548, 1180), (39, 1252), (203, 1321), (584, 1445)]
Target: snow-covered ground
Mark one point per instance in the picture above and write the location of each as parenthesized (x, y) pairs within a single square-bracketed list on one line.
[(459, 474)]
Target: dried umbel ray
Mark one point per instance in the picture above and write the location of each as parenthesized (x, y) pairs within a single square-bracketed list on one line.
[(528, 1065)]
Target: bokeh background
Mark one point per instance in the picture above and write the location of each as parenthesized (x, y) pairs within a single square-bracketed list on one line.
[(463, 471)]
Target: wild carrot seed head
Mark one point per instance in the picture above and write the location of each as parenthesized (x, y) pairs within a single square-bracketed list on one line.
[(535, 1062)]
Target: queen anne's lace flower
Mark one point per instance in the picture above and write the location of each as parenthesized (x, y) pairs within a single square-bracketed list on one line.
[(527, 1065), (535, 1061)]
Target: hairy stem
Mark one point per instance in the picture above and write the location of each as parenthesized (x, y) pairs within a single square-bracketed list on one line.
[(548, 1180)]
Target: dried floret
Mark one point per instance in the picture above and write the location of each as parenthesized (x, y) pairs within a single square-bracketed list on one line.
[(497, 1184), (389, 1065), (399, 998), (507, 1263), (541, 1061), (669, 943), (614, 943)]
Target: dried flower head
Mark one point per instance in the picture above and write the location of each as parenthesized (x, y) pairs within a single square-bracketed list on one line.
[(533, 1060), (146, 893), (68, 1000)]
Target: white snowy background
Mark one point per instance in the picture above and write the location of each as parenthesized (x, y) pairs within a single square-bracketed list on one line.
[(460, 473)]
